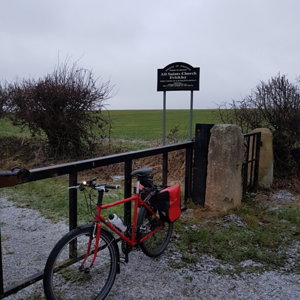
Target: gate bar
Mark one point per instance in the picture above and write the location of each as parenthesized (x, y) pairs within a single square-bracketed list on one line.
[(165, 169), (188, 174), (127, 191), (1, 268), (257, 155), (23, 284), (72, 201)]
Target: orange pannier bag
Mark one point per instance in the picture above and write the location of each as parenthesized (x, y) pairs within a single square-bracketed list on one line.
[(169, 203)]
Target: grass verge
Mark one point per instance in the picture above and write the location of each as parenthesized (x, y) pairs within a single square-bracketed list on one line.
[(50, 197), (264, 238)]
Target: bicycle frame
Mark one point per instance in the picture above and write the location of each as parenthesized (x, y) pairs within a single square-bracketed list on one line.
[(138, 202), (131, 240)]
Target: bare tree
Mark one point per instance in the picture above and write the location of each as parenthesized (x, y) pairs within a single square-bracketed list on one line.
[(276, 105), (65, 105)]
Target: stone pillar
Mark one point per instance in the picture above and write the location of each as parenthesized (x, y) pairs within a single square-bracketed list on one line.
[(224, 170), (265, 173)]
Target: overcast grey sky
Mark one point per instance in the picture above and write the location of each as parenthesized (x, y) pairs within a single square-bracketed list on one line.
[(236, 43)]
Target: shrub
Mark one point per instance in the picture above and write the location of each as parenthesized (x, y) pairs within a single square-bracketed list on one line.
[(3, 100), (65, 105), (276, 105)]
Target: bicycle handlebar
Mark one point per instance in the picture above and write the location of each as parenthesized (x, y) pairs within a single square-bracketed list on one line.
[(96, 186), (112, 186), (74, 187)]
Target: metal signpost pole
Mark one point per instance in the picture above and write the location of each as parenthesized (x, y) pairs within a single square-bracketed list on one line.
[(164, 119), (191, 114)]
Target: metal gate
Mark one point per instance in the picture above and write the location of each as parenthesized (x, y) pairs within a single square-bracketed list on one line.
[(252, 143)]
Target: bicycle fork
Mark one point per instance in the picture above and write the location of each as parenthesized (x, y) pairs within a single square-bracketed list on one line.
[(96, 233)]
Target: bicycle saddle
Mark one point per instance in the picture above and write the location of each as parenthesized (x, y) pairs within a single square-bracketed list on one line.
[(142, 172)]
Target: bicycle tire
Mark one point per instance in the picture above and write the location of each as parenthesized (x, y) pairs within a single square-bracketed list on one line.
[(69, 282), (156, 244)]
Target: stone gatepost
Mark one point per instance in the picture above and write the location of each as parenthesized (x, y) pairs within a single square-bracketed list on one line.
[(224, 169), (265, 173)]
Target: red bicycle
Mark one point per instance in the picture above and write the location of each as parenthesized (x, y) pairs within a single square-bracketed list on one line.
[(84, 262)]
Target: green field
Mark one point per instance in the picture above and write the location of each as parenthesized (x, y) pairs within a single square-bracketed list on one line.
[(139, 124), (8, 129), (147, 124)]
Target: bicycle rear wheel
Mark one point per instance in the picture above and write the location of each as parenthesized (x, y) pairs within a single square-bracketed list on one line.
[(63, 277), (157, 243)]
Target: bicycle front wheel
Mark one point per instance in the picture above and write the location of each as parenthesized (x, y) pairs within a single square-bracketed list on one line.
[(157, 243), (64, 278)]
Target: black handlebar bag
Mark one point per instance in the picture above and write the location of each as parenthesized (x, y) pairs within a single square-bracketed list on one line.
[(169, 203)]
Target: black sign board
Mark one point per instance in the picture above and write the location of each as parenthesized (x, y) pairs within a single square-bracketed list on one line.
[(178, 76)]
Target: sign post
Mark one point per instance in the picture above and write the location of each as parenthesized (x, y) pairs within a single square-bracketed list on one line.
[(178, 76), (164, 118), (191, 113)]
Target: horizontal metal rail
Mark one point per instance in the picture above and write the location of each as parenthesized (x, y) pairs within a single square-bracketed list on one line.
[(68, 168)]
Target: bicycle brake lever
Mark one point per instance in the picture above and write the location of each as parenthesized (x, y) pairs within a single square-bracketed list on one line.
[(91, 181), (80, 187), (73, 187)]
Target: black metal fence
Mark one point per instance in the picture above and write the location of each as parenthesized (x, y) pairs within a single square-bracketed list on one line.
[(252, 143), (72, 170), (194, 181)]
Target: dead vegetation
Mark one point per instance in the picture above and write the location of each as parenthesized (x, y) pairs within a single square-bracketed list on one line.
[(30, 153)]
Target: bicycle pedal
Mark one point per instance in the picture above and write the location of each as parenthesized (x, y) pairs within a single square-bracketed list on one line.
[(143, 228), (86, 270), (123, 260)]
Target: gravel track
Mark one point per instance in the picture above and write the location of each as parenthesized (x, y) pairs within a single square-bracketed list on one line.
[(27, 238)]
